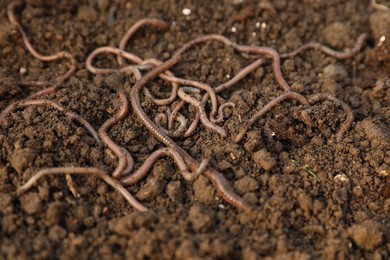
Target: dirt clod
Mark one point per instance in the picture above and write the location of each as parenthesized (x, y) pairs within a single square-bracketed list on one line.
[(31, 203), (264, 159), (22, 158), (201, 220), (246, 184), (336, 35), (366, 235), (203, 190)]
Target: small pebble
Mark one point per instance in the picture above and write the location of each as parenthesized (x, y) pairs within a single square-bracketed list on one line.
[(186, 11)]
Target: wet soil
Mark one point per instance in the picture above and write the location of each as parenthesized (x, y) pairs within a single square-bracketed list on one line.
[(341, 212)]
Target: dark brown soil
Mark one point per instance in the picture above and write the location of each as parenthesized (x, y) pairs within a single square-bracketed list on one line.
[(343, 214)]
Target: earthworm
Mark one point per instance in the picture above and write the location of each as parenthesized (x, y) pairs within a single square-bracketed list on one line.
[(195, 84), (88, 62), (129, 162), (348, 121), (11, 106), (270, 52), (147, 164), (219, 181), (202, 113), (108, 141), (82, 170), (162, 118), (337, 54), (174, 114), (167, 76), (240, 75), (141, 64), (159, 24), (377, 6), (47, 58), (44, 102), (191, 129), (219, 119), (286, 95)]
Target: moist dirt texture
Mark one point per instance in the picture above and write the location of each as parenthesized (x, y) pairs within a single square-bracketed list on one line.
[(314, 197)]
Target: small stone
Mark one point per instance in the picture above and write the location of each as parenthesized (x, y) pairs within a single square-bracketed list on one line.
[(246, 184), (264, 159), (366, 235), (31, 203), (22, 158), (200, 219), (203, 190), (336, 35)]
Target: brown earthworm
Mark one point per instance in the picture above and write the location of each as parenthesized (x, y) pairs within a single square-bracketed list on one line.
[(43, 102), (108, 141), (82, 170)]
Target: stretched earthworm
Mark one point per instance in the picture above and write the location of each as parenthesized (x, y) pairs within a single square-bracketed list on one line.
[(12, 106), (47, 58), (267, 51), (147, 164), (44, 102), (82, 170), (286, 95), (122, 163), (337, 54), (159, 24)]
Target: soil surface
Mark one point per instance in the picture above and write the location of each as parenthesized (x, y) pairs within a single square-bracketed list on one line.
[(315, 197)]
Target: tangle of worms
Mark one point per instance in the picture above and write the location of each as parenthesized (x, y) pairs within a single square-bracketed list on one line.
[(189, 91)]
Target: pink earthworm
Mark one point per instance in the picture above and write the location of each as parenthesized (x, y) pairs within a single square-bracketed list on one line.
[(147, 164), (87, 171), (43, 102), (118, 172), (47, 58)]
